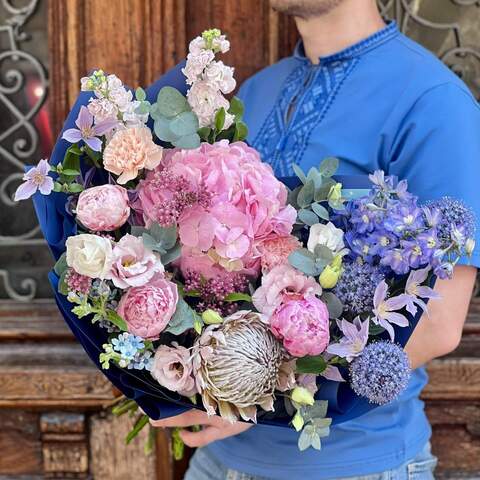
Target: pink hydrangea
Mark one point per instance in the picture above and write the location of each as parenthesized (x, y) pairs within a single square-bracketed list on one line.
[(275, 251), (133, 264), (302, 325), (173, 369), (148, 309), (246, 203), (103, 208), (281, 284)]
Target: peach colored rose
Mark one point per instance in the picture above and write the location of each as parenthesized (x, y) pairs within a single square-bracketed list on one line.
[(130, 151)]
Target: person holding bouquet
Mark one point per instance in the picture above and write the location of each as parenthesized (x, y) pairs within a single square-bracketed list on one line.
[(357, 88)]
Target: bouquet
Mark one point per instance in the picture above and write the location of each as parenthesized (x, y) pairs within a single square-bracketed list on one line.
[(196, 278)]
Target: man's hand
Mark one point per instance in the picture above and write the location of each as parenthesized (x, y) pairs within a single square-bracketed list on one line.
[(213, 427)]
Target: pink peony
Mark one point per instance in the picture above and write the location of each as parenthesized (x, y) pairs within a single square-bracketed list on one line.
[(133, 264), (243, 202), (173, 369), (130, 151), (281, 284), (103, 208), (275, 251), (302, 325), (148, 309)]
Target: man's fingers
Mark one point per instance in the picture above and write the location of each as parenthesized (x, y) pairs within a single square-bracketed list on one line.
[(187, 419), (202, 438)]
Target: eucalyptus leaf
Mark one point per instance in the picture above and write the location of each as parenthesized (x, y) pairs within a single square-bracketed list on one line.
[(185, 123), (321, 211), (324, 253), (308, 217), (336, 205), (171, 102), (305, 195), (62, 285), (152, 244), (315, 176), (321, 194), (304, 261), (328, 166), (171, 255), (166, 236), (161, 127), (140, 94), (143, 108), (61, 264), (315, 365), (183, 319), (316, 411), (334, 305), (187, 142), (299, 173), (138, 231)]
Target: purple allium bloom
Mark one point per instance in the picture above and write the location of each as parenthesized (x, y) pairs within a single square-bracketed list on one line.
[(88, 131), (381, 373), (354, 340), (35, 179), (386, 309), (454, 213), (356, 286), (417, 291)]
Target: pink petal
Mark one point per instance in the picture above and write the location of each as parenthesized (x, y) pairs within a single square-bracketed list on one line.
[(72, 135), (84, 119), (333, 373), (47, 186), (43, 167), (25, 190)]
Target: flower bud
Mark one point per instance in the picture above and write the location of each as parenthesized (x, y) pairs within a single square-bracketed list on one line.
[(335, 194), (331, 273), (211, 317), (302, 396), (469, 246), (298, 421)]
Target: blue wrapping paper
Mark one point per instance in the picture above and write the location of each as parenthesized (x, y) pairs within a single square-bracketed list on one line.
[(57, 225)]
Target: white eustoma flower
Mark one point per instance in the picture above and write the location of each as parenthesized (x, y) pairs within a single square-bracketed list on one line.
[(89, 255), (327, 235)]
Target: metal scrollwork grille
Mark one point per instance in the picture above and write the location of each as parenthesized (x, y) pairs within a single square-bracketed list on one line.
[(23, 93)]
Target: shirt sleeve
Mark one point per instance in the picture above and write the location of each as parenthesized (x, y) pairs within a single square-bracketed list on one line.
[(437, 150)]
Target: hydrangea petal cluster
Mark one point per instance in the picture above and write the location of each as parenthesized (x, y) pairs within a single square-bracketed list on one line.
[(209, 79), (148, 309), (381, 373), (356, 286), (103, 208), (302, 325)]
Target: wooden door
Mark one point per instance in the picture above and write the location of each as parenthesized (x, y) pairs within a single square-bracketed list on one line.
[(54, 419)]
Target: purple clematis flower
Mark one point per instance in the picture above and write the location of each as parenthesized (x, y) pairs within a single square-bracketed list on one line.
[(386, 309), (354, 340), (416, 291), (35, 179), (87, 131)]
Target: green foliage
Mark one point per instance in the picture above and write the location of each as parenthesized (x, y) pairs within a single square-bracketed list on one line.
[(141, 422), (328, 166), (304, 260), (316, 425), (316, 365), (174, 121), (334, 305), (160, 239), (61, 264), (183, 319)]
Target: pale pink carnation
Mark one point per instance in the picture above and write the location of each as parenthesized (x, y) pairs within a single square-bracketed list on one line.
[(275, 251), (302, 325), (281, 284), (148, 309), (173, 369), (103, 208), (130, 151), (133, 264)]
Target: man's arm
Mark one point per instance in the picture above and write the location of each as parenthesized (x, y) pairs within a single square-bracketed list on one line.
[(440, 330)]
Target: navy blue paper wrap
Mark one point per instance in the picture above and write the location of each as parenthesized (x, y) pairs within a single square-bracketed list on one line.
[(57, 225)]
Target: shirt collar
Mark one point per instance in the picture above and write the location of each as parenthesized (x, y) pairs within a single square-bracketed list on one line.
[(389, 31)]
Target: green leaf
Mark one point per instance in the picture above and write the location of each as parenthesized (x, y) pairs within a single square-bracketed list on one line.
[(238, 297), (307, 217), (116, 319), (61, 264), (71, 160), (375, 329), (171, 102), (204, 132), (309, 364), (171, 255), (316, 411), (75, 149), (329, 166), (321, 194), (304, 261), (185, 123), (75, 188), (137, 428), (305, 195), (161, 127), (324, 253), (57, 187), (62, 285), (140, 94), (70, 172), (299, 173), (165, 236), (305, 439), (220, 120), (125, 407), (188, 142), (237, 108), (315, 176), (241, 131), (334, 305), (321, 211), (183, 319), (336, 205), (143, 108)]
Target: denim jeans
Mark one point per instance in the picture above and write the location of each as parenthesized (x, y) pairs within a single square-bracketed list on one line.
[(203, 466)]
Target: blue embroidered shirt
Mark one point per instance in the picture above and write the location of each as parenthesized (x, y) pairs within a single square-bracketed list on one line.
[(384, 103)]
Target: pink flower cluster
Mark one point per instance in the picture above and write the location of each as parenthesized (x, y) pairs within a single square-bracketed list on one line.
[(296, 315), (239, 203)]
